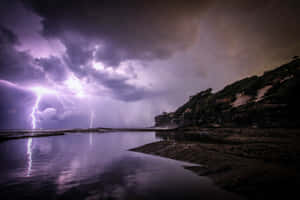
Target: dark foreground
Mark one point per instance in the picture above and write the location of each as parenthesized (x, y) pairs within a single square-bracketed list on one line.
[(257, 163)]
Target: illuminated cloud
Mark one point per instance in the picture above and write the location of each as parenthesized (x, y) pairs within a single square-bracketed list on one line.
[(75, 85), (47, 114), (130, 61)]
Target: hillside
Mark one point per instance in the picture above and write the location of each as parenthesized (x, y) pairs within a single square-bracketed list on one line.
[(270, 100)]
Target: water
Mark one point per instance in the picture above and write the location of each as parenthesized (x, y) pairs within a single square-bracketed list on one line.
[(96, 166)]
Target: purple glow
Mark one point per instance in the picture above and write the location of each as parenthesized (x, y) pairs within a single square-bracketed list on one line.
[(167, 55)]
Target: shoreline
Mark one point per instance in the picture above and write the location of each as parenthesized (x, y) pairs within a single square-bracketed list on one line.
[(19, 134), (257, 164)]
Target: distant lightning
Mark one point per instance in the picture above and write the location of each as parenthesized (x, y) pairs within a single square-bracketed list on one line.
[(92, 115)]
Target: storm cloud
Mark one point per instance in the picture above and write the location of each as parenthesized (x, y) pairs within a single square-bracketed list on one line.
[(124, 29), (127, 61), (15, 65)]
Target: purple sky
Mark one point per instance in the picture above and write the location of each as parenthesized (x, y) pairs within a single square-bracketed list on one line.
[(120, 63)]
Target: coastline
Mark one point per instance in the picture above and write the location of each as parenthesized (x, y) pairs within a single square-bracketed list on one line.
[(255, 163), (19, 134)]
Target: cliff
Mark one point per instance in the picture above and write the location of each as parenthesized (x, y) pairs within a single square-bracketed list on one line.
[(270, 100)]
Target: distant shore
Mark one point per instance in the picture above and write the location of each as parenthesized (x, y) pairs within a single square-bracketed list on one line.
[(256, 163), (19, 134)]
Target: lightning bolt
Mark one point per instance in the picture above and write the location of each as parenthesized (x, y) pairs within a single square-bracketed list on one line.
[(73, 84), (29, 155), (91, 125), (34, 111), (39, 91), (33, 125), (92, 115)]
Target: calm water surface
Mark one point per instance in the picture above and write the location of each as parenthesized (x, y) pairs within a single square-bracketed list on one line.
[(96, 166)]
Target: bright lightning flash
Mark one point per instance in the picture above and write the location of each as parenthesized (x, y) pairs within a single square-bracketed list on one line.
[(34, 111), (39, 91), (92, 115), (75, 85)]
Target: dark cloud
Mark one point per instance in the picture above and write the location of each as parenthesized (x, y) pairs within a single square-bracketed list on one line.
[(16, 65), (125, 29), (255, 34), (78, 53), (142, 30), (147, 30), (53, 67), (120, 88), (117, 86), (242, 36), (7, 37), (110, 55)]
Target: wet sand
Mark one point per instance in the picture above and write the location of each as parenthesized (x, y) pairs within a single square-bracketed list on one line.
[(256, 163)]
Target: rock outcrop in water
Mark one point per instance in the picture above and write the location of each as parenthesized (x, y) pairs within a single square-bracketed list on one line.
[(270, 100)]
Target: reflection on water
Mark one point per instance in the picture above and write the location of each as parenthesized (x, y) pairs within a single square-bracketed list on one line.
[(91, 139), (29, 154), (96, 166)]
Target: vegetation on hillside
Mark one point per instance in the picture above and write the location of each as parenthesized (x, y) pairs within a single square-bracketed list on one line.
[(270, 100)]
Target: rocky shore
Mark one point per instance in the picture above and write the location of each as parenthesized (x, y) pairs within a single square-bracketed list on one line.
[(256, 163)]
